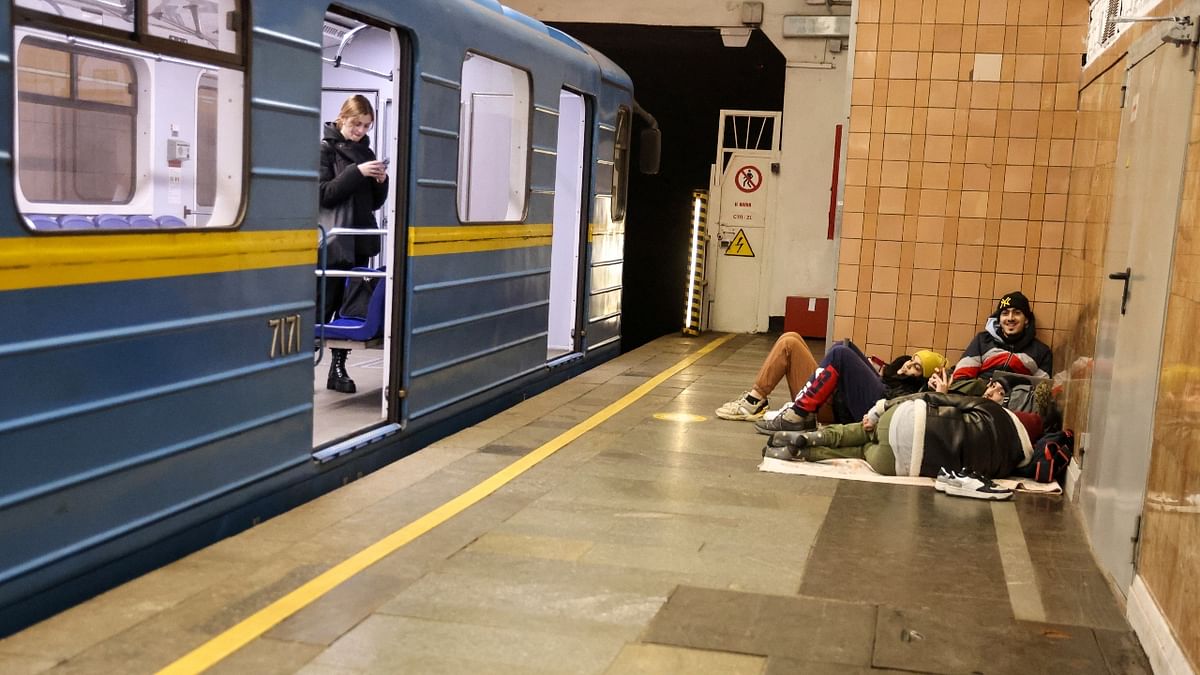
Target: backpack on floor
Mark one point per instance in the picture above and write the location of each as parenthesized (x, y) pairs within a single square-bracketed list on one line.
[(1051, 455)]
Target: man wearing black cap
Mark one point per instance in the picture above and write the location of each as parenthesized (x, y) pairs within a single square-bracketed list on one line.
[(1008, 342)]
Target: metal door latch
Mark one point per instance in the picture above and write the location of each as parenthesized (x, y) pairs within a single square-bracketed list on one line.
[(1123, 276)]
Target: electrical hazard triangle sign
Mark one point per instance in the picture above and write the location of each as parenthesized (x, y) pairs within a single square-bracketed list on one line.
[(740, 246)]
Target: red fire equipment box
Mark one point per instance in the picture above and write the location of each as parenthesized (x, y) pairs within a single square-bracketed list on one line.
[(806, 316)]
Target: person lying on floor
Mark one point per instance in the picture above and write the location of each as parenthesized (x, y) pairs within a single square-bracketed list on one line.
[(850, 383), (1007, 343), (926, 434)]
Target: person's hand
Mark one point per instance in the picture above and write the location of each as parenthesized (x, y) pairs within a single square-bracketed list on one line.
[(939, 382), (868, 423), (374, 169)]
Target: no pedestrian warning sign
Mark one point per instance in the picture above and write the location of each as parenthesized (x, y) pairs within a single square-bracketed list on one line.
[(740, 246), (748, 178)]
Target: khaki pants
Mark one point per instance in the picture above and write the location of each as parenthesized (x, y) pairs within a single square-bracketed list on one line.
[(790, 358)]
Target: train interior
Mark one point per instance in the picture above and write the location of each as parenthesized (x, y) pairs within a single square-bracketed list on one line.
[(361, 59)]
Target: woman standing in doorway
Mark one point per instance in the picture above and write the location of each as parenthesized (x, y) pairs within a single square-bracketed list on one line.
[(353, 186)]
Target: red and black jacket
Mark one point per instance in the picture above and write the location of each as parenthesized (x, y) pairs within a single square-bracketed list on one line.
[(990, 352)]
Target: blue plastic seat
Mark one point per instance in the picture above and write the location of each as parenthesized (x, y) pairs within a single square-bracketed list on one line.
[(363, 329), (111, 221), (76, 222), (42, 222), (171, 221), (142, 222)]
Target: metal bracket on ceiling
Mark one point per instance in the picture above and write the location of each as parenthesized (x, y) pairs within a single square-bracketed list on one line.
[(1186, 31), (1182, 33)]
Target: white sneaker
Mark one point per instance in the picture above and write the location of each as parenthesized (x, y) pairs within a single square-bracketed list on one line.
[(742, 409), (978, 487), (945, 478)]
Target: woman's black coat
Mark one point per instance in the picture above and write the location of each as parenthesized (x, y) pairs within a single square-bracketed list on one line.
[(348, 198)]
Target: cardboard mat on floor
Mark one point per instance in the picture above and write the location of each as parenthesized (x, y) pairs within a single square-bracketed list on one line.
[(858, 469)]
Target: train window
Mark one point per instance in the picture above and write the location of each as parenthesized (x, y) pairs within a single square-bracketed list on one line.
[(119, 104), (202, 23), (76, 116), (493, 141), (109, 13), (620, 177)]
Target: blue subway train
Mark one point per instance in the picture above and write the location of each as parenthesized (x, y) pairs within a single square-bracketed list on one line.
[(164, 372)]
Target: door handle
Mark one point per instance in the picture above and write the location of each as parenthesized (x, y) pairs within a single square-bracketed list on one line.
[(1124, 277)]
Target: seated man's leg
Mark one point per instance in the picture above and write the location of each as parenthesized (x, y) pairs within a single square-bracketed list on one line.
[(842, 368), (788, 354), (790, 358), (801, 415)]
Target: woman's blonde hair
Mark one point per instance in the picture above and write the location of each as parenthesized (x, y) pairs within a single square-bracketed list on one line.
[(355, 106)]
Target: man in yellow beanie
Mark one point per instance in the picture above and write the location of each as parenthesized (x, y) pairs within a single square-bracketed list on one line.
[(851, 382)]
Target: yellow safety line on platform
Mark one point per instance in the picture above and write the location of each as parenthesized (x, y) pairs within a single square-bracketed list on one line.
[(212, 652)]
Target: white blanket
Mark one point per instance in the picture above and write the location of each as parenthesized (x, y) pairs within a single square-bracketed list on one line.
[(857, 469)]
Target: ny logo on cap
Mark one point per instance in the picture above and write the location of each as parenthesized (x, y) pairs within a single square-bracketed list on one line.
[(1006, 301)]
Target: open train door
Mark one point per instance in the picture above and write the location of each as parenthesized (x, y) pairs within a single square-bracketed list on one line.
[(564, 332), (361, 58)]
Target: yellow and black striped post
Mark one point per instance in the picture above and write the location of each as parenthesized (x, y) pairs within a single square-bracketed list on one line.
[(695, 292)]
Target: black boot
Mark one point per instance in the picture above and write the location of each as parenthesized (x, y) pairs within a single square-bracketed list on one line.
[(339, 379)]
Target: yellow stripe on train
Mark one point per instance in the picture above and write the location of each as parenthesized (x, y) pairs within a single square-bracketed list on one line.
[(476, 238), (40, 262)]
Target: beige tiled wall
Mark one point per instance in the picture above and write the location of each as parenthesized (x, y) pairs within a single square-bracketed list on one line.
[(961, 136)]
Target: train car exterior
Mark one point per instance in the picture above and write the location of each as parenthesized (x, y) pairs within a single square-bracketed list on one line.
[(158, 249)]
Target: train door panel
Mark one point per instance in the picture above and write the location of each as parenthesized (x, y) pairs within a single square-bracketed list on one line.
[(566, 255), (1148, 181), (365, 59), (742, 190)]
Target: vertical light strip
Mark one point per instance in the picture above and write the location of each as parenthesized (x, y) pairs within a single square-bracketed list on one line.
[(691, 314)]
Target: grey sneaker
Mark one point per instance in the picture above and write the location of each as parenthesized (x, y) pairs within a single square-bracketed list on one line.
[(787, 420), (788, 453), (742, 409), (797, 439)]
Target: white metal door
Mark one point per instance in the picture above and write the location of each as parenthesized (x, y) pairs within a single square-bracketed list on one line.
[(740, 211), (1147, 182), (565, 269)]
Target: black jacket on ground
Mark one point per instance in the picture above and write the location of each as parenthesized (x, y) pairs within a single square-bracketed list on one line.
[(342, 183), (969, 432)]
